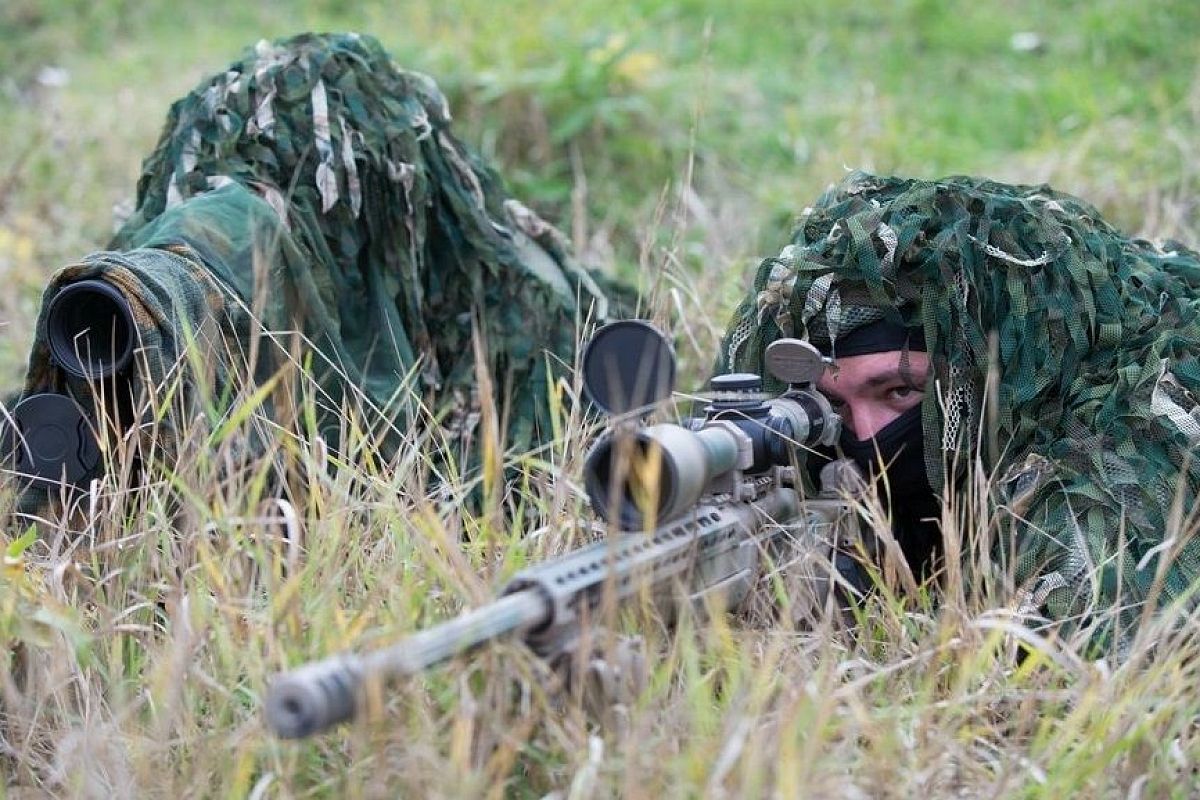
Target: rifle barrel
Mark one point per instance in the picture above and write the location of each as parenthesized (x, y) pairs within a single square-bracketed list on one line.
[(324, 693)]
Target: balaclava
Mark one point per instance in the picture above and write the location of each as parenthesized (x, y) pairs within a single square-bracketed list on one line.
[(894, 457)]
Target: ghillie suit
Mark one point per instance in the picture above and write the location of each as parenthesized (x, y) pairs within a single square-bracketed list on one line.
[(1094, 423), (315, 187)]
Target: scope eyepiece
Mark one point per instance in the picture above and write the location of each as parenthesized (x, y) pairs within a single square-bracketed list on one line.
[(90, 329), (803, 418)]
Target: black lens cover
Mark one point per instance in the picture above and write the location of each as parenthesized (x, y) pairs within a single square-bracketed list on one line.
[(50, 439), (628, 365)]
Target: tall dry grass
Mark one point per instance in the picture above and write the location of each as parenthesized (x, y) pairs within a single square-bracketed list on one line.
[(145, 617), (142, 620)]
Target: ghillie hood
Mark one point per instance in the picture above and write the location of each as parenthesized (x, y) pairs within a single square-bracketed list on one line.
[(317, 185), (1092, 340)]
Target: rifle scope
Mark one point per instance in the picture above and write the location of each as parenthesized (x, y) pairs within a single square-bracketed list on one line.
[(651, 475), (90, 329)]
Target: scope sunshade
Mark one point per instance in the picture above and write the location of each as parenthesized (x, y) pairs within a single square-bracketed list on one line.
[(90, 329)]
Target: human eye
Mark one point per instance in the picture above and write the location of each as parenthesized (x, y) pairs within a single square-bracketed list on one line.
[(903, 393)]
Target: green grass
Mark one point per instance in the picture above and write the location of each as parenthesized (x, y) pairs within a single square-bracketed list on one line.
[(674, 139)]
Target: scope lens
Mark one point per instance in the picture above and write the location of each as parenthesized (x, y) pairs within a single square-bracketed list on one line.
[(90, 329), (645, 490)]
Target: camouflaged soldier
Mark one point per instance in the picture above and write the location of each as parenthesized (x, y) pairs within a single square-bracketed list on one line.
[(969, 319), (311, 188)]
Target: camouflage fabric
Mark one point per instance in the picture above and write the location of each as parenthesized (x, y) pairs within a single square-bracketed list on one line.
[(1095, 419), (316, 187)]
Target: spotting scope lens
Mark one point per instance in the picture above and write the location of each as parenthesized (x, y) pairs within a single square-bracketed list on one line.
[(90, 329)]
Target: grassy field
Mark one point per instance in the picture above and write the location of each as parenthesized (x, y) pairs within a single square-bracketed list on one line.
[(675, 142)]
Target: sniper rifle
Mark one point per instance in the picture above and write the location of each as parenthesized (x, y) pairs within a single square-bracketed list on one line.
[(711, 505)]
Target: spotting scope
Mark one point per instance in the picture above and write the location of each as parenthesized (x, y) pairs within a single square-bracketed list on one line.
[(90, 329), (48, 438)]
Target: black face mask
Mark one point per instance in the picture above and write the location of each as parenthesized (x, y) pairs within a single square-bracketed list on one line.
[(900, 447)]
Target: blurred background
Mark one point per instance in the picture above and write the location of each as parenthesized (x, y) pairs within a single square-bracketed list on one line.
[(677, 140)]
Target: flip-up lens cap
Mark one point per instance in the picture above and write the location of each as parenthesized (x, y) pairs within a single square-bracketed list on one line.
[(627, 366), (50, 440)]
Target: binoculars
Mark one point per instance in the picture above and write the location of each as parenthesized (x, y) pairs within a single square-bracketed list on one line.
[(49, 438)]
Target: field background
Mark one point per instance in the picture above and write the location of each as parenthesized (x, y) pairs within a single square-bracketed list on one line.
[(670, 139)]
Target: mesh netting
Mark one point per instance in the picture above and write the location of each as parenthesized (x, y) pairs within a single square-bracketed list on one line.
[(319, 185), (1096, 362)]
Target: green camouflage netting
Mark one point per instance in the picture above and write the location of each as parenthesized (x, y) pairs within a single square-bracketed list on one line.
[(1096, 338), (317, 185)]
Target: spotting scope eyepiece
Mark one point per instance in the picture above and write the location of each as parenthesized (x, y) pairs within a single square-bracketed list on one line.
[(90, 329)]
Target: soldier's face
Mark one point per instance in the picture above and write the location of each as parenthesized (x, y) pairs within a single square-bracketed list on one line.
[(871, 390)]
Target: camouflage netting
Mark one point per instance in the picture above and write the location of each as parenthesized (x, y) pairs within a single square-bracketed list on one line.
[(1096, 335), (318, 185)]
